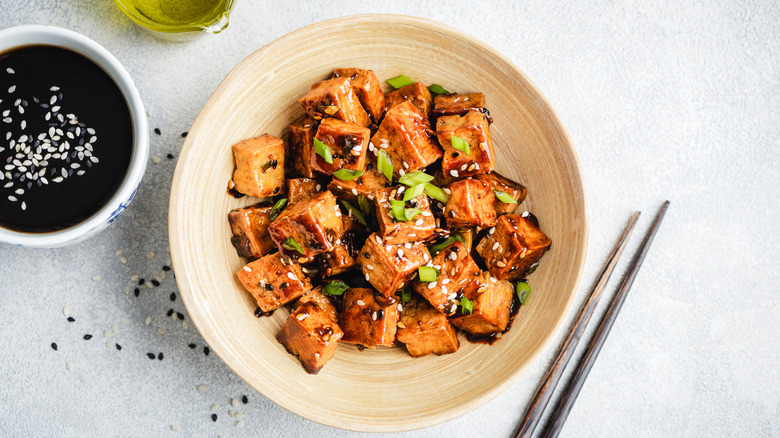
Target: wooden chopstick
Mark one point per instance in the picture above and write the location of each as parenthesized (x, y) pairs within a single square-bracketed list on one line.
[(562, 409), (535, 410)]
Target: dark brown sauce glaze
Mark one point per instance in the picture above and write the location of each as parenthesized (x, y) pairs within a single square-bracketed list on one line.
[(231, 190), (66, 138), (260, 313)]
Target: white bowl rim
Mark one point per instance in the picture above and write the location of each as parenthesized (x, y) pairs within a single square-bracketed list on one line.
[(31, 34)]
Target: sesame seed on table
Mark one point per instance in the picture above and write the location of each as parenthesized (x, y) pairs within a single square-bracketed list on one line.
[(661, 100)]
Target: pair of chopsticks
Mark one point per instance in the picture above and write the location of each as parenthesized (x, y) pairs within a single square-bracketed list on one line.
[(543, 394)]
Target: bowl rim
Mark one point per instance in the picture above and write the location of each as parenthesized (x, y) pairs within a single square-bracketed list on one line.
[(582, 250), (32, 34)]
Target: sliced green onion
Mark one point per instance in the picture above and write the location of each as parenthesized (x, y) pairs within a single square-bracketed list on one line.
[(385, 164), (399, 81), (323, 150), (523, 291), (335, 288), (397, 208), (347, 174), (414, 178), (460, 144), (292, 245), (466, 305), (269, 164), (276, 209), (427, 274), (410, 213), (437, 89), (447, 242), (364, 205), (504, 197), (355, 212), (406, 295), (414, 191), (436, 193)]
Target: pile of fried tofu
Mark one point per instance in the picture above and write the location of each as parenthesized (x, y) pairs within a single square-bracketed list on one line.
[(308, 231)]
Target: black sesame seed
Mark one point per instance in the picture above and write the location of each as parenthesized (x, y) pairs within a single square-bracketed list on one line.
[(192, 345), (54, 346), (274, 163), (214, 417), (181, 317), (118, 347), (141, 282), (170, 312), (269, 286), (284, 285), (160, 356), (452, 214), (206, 351), (71, 319), (244, 399), (166, 268), (87, 337), (455, 154), (366, 255), (157, 131), (184, 134), (170, 156), (155, 283), (136, 291), (150, 355), (173, 296), (276, 190)]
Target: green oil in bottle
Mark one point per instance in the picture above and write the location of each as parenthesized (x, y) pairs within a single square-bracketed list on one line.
[(174, 16)]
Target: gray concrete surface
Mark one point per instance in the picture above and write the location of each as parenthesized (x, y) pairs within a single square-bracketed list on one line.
[(663, 101)]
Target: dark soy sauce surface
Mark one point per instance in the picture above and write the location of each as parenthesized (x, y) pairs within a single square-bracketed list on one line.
[(65, 138)]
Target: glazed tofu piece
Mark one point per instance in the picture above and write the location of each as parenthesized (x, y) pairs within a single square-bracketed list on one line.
[(470, 205), (348, 144), (474, 130), (491, 309), (250, 231), (459, 104), (365, 321), (259, 166), (390, 267), (367, 185), (403, 134), (424, 330), (272, 282), (314, 224), (301, 189), (417, 94), (343, 256), (420, 228), (499, 182), (318, 297), (458, 276), (512, 246), (310, 334), (300, 147), (334, 98), (367, 88)]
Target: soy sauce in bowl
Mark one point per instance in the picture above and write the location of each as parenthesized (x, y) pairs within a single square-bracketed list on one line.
[(66, 138)]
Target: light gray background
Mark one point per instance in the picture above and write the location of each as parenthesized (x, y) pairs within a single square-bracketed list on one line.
[(662, 101)]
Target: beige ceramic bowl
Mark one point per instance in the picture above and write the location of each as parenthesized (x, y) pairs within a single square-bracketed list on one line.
[(383, 389)]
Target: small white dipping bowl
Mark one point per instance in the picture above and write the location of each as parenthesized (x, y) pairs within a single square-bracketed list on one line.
[(26, 35)]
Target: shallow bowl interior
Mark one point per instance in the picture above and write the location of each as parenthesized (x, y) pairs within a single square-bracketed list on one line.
[(384, 389)]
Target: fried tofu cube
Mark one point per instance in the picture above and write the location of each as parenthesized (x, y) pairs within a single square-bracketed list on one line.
[(491, 309), (417, 94), (273, 282), (501, 183), (334, 98), (458, 276), (474, 130), (301, 189), (365, 321), (459, 104), (470, 205), (403, 134), (300, 147), (348, 145), (424, 330), (259, 166), (367, 185), (390, 267), (310, 334), (318, 297), (250, 231), (513, 246), (314, 224), (367, 88), (420, 228), (343, 256)]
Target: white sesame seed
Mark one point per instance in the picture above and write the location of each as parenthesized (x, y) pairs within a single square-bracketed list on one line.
[(360, 303), (354, 191), (492, 230), (401, 172), (240, 423), (156, 159), (493, 279), (54, 88), (373, 316), (400, 307), (160, 330), (10, 71), (418, 222), (52, 100), (431, 285), (444, 290), (454, 173), (425, 256), (203, 388), (406, 165), (97, 278), (369, 267), (367, 277), (247, 269), (337, 214), (291, 276), (426, 213), (453, 256), (407, 245), (525, 214), (318, 187), (400, 253), (301, 317), (69, 366), (378, 240), (12, 88), (12, 198), (463, 167)]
